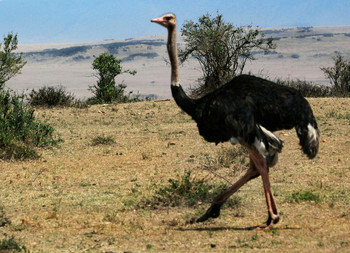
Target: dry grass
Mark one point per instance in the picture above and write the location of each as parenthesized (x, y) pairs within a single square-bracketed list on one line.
[(81, 197)]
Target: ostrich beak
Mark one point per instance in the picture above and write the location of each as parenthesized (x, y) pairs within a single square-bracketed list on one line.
[(158, 20)]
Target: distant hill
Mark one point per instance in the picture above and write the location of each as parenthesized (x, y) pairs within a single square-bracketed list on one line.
[(86, 52), (300, 53)]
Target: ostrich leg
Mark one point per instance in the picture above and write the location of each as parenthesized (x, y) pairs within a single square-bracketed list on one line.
[(214, 209), (261, 166)]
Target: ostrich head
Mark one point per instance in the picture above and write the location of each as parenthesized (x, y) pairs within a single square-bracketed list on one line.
[(167, 20)]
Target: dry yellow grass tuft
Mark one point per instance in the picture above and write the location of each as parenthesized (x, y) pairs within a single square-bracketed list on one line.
[(82, 197)]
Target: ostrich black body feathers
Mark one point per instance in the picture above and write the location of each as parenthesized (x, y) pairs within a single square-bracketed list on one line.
[(248, 109)]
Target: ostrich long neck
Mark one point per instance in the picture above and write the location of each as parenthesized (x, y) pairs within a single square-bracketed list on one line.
[(181, 99), (172, 51)]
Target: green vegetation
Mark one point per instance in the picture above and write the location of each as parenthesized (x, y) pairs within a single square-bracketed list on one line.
[(339, 74), (51, 96), (19, 130), (108, 67), (10, 63), (187, 191), (304, 196), (102, 140), (9, 244), (221, 49), (308, 89)]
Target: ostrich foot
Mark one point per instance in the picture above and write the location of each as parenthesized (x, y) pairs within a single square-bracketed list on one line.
[(270, 222), (212, 212)]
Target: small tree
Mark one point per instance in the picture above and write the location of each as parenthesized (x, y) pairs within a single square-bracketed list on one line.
[(10, 63), (339, 74), (221, 48), (20, 131), (106, 90)]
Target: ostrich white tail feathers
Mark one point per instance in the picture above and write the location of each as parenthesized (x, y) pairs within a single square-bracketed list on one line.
[(266, 142), (309, 139)]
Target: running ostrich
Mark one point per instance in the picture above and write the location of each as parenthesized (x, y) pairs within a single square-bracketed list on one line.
[(245, 110)]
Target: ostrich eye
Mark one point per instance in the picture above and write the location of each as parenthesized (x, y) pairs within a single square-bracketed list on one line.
[(167, 18)]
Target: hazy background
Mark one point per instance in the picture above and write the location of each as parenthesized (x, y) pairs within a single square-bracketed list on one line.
[(58, 21)]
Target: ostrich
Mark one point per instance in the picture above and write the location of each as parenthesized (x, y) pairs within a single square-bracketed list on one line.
[(245, 110)]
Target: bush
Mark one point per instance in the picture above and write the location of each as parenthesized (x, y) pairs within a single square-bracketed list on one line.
[(18, 151), (102, 140), (106, 90), (116, 94), (309, 89), (339, 74), (19, 130), (50, 97), (188, 191)]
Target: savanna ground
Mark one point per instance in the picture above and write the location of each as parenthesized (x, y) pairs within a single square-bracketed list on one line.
[(84, 197)]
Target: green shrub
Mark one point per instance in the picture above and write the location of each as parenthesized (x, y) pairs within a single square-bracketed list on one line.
[(304, 196), (50, 97), (18, 151), (114, 94), (187, 191), (9, 244), (102, 140), (20, 132), (307, 89), (339, 74)]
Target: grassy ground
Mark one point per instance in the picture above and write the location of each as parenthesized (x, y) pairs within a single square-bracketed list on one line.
[(85, 195)]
